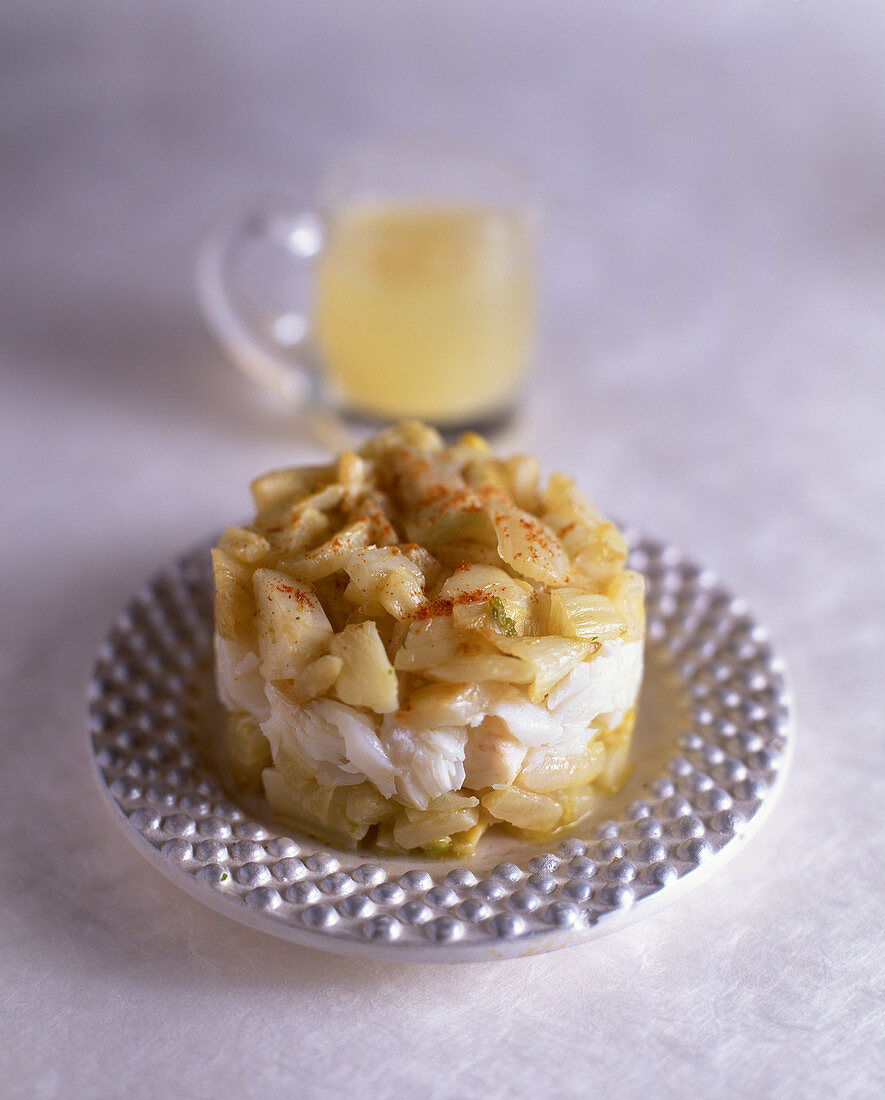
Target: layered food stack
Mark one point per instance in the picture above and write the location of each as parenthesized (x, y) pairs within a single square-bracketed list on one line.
[(419, 642)]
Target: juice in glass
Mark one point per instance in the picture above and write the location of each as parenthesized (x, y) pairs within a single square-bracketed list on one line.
[(425, 310)]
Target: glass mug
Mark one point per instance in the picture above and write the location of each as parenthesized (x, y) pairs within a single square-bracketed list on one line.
[(422, 278)]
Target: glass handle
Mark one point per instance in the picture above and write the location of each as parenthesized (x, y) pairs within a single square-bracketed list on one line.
[(275, 355)]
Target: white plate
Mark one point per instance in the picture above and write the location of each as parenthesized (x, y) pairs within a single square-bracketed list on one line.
[(710, 754)]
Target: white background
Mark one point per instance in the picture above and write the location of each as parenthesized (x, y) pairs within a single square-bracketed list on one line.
[(711, 369)]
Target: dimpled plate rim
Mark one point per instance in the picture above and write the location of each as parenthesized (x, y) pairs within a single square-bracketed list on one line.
[(152, 686)]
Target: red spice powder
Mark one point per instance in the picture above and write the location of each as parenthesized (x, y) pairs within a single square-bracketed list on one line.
[(290, 591), (442, 605)]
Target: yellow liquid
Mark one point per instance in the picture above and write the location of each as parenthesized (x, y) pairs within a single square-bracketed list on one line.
[(425, 311)]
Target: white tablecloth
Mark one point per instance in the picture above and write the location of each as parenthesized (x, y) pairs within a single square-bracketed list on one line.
[(714, 176)]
